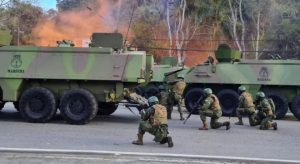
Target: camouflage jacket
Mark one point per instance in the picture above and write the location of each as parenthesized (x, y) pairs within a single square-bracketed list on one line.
[(211, 103), (264, 108), (156, 115), (245, 100)]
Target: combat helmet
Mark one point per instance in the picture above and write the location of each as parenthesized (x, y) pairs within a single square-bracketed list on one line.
[(152, 100), (207, 91), (242, 89), (260, 95)]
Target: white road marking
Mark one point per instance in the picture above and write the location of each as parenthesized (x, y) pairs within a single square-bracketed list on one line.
[(159, 155)]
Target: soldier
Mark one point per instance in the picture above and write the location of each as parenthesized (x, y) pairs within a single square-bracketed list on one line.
[(211, 108), (265, 114), (246, 106), (163, 99), (175, 96), (154, 120), (134, 97)]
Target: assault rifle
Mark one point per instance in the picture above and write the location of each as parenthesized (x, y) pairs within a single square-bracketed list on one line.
[(129, 105), (194, 109)]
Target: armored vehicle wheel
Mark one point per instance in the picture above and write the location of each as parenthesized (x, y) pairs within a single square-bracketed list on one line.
[(229, 100), (106, 108), (295, 107), (139, 90), (151, 91), (281, 104), (37, 104), (16, 104), (191, 98), (78, 106), (2, 105)]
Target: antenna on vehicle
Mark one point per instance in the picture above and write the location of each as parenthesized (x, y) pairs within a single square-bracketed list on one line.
[(133, 9)]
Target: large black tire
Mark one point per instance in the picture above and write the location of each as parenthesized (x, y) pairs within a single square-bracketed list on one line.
[(2, 105), (37, 104), (78, 106), (106, 109), (229, 100), (281, 104), (151, 91), (295, 107), (139, 90), (191, 98), (16, 104)]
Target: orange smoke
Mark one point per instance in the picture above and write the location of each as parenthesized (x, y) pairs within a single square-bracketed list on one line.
[(77, 25)]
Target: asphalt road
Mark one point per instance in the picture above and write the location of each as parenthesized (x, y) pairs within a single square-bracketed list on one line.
[(115, 133)]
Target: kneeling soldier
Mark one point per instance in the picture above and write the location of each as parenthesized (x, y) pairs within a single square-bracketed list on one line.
[(246, 106), (211, 108), (154, 120), (265, 114)]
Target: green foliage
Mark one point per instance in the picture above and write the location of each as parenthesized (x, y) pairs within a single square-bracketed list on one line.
[(23, 17), (65, 5)]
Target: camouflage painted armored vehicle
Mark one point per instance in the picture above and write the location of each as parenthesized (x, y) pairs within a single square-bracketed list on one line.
[(78, 81), (277, 78), (164, 73)]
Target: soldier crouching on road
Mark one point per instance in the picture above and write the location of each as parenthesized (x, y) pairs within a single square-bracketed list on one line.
[(211, 108), (265, 114), (245, 107), (154, 120)]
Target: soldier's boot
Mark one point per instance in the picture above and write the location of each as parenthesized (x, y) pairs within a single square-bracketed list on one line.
[(274, 125), (169, 113), (240, 122), (227, 124), (181, 117), (205, 127), (139, 140), (164, 140), (170, 142)]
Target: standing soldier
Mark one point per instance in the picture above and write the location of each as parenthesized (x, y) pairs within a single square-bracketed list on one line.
[(176, 96), (154, 120), (163, 99), (246, 106), (265, 114), (211, 108)]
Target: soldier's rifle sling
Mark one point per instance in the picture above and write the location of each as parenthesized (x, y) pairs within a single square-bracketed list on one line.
[(194, 109)]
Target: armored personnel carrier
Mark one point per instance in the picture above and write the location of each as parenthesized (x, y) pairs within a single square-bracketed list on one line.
[(79, 81), (277, 78)]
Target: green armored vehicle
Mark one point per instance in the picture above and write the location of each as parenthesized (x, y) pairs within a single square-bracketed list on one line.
[(81, 82), (277, 78), (166, 72)]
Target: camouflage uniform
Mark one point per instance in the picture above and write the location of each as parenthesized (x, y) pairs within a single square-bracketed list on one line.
[(163, 100), (211, 108), (265, 115), (175, 96), (154, 120), (246, 107)]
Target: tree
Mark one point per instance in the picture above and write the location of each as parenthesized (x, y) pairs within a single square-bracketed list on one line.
[(65, 5), (285, 23), (3, 5), (23, 17)]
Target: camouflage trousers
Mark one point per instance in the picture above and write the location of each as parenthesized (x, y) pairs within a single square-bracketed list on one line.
[(159, 132), (250, 112), (175, 98), (214, 115), (264, 122)]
